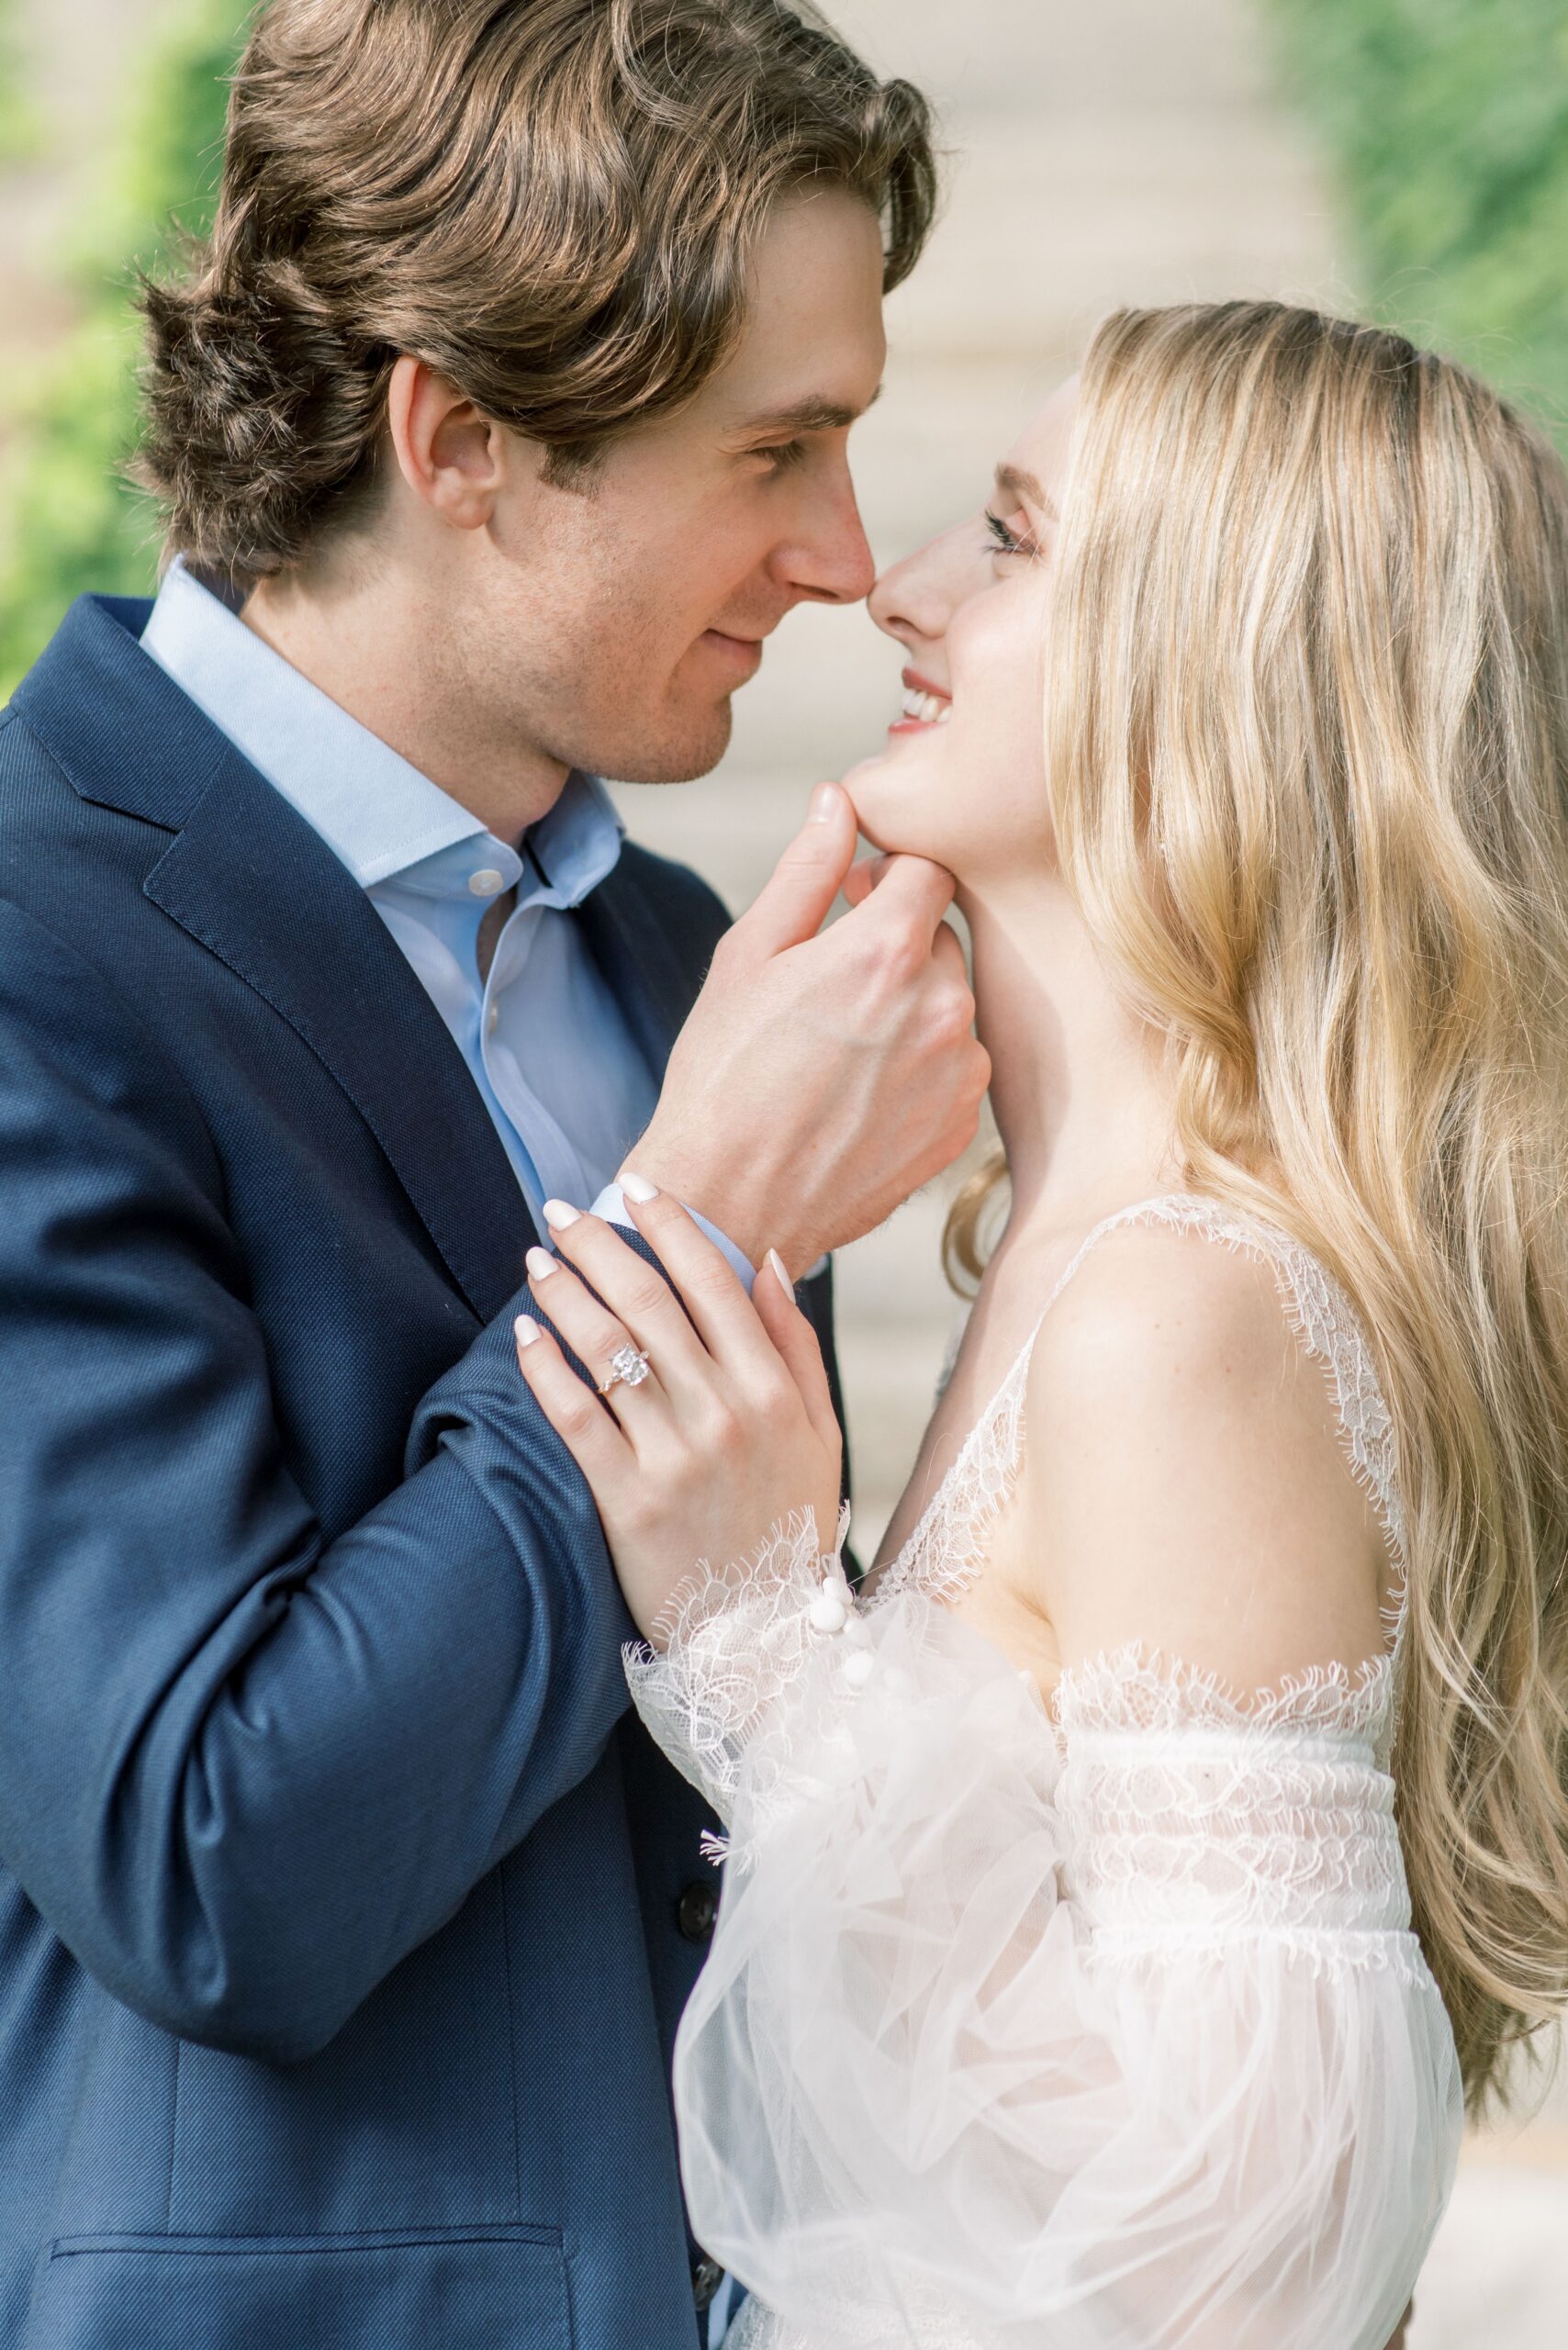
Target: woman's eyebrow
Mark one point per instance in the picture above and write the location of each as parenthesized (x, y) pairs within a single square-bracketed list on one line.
[(1014, 482)]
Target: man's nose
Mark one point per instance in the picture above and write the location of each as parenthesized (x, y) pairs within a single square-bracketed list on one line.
[(832, 563)]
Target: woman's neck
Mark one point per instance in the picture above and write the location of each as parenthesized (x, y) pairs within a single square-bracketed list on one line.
[(1082, 1103)]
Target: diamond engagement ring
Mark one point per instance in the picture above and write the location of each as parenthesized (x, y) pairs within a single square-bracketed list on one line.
[(628, 1367)]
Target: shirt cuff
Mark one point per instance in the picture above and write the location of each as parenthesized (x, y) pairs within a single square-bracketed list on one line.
[(610, 1206)]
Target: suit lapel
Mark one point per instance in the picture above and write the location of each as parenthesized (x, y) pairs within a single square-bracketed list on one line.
[(251, 880), (246, 875)]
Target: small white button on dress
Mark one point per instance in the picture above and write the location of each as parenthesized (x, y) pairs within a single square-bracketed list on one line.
[(486, 881)]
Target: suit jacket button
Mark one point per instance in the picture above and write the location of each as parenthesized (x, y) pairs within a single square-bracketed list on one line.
[(696, 1910), (706, 2278)]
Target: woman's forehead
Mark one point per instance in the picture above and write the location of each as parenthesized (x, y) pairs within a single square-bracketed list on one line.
[(1041, 448)]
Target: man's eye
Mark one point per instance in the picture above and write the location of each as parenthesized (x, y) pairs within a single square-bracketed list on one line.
[(785, 455)]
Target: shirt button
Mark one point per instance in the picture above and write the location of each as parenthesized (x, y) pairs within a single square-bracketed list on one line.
[(696, 1911), (706, 2278), (486, 881), (493, 1019)]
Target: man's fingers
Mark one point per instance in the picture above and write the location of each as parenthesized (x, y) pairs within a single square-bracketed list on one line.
[(863, 877), (912, 890), (794, 903), (947, 953)]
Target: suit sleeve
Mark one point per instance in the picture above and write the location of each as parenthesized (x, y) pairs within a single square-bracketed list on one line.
[(243, 1770)]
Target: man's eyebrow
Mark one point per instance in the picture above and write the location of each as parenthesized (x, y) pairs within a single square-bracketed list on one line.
[(810, 415), (1014, 482)]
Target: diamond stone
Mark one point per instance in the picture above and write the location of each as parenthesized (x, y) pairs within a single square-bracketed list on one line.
[(629, 1366)]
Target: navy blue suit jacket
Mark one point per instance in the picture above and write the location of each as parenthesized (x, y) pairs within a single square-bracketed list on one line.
[(346, 1913)]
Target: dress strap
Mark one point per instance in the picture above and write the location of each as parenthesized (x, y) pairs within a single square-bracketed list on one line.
[(946, 1548)]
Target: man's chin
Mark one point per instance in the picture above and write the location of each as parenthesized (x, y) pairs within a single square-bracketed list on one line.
[(675, 753)]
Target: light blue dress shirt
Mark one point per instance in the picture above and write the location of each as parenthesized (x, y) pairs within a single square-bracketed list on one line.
[(568, 1089)]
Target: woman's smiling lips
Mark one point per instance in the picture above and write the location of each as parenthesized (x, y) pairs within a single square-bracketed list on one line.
[(923, 706)]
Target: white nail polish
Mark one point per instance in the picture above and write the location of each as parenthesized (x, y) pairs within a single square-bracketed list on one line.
[(541, 1264), (558, 1215), (779, 1275), (527, 1331), (638, 1188)]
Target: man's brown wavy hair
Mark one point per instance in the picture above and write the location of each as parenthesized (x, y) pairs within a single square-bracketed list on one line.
[(553, 203)]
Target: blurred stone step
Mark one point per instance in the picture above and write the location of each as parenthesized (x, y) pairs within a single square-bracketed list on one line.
[(1497, 2278)]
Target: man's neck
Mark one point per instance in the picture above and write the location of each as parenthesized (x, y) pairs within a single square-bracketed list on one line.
[(380, 659)]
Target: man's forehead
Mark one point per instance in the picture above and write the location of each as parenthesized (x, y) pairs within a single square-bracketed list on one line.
[(810, 353)]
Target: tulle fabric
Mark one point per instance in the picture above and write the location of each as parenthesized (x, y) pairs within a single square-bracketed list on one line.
[(929, 2094), (1099, 2027)]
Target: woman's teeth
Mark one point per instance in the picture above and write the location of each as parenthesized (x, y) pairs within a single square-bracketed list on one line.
[(927, 710)]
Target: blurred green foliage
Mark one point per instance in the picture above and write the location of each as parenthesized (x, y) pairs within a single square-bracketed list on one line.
[(68, 521), (1448, 120), (18, 122)]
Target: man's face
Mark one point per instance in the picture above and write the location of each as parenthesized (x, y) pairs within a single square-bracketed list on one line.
[(610, 623)]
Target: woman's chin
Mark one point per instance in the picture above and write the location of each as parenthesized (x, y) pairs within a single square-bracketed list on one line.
[(885, 807)]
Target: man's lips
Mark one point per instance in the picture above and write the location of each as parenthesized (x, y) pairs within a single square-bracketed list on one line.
[(746, 652)]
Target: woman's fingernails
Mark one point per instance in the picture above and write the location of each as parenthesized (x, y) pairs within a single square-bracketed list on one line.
[(780, 1276), (825, 804), (541, 1264), (638, 1188), (527, 1331), (558, 1215)]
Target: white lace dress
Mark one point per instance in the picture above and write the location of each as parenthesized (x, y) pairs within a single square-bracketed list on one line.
[(1030, 2028)]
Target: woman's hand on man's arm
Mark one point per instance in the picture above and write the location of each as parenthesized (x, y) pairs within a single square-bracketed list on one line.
[(732, 1430)]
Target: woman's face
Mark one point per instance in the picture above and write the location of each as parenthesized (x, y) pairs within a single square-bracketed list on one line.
[(962, 777)]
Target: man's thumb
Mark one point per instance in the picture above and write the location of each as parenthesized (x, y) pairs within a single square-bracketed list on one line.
[(807, 879)]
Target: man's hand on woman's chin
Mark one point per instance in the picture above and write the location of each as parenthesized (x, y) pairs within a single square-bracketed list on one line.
[(820, 1080)]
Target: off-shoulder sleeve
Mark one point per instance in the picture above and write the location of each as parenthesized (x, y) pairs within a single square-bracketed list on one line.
[(1013, 2041)]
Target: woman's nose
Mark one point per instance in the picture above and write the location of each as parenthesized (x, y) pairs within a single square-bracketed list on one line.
[(918, 597)]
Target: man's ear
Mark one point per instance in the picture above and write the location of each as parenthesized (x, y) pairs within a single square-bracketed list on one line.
[(454, 460)]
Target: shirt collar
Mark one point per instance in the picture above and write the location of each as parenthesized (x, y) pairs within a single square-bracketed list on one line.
[(378, 815)]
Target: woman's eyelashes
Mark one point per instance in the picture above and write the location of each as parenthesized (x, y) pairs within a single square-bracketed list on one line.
[(1003, 539)]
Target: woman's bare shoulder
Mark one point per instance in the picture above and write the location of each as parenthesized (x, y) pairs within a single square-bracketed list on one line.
[(1186, 1484)]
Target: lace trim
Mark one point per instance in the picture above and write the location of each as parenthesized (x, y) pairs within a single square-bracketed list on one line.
[(733, 1640), (946, 1548), (1136, 1688)]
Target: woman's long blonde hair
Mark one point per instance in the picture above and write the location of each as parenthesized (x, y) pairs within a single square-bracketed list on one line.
[(1307, 751)]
